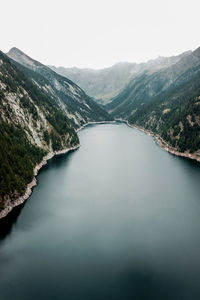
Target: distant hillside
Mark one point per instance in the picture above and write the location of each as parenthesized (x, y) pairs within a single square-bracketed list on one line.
[(100, 84), (165, 102), (150, 84), (106, 83)]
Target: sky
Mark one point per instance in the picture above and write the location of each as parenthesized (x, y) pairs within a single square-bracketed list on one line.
[(97, 34)]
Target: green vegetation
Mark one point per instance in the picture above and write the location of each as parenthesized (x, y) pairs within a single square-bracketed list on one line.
[(56, 141), (54, 87), (46, 137), (18, 156), (34, 109), (17, 160), (165, 101), (174, 115)]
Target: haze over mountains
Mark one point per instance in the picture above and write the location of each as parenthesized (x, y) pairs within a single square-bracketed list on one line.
[(106, 83)]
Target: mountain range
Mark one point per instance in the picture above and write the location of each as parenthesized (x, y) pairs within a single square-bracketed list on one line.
[(42, 107), (106, 83), (165, 102), (160, 96), (40, 113)]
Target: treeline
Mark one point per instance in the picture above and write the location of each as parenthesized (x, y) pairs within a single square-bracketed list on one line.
[(18, 156), (169, 115), (17, 160)]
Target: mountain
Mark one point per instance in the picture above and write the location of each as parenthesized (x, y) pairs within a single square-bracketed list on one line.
[(39, 114), (150, 84), (79, 107), (174, 116), (41, 110), (100, 84), (106, 83), (165, 102)]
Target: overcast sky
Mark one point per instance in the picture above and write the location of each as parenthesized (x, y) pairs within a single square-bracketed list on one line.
[(97, 34)]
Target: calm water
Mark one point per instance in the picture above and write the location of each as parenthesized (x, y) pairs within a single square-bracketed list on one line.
[(117, 219)]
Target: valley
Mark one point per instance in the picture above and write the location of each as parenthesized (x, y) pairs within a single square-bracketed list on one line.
[(46, 109)]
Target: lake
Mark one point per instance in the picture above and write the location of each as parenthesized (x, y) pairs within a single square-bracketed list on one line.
[(117, 219)]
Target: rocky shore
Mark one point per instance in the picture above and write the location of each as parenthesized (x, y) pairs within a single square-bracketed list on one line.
[(10, 204), (163, 144)]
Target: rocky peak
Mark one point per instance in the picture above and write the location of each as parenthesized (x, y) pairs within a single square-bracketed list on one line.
[(19, 56)]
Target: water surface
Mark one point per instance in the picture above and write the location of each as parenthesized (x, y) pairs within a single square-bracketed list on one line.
[(118, 218)]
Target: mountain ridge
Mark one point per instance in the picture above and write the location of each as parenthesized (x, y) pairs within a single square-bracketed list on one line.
[(104, 84), (63, 88), (147, 85), (165, 103), (40, 114), (41, 110)]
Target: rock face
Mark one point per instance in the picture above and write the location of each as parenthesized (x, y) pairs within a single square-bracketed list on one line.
[(40, 112), (73, 101), (106, 83)]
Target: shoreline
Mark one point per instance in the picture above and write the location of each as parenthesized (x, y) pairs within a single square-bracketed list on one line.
[(162, 143), (93, 123), (20, 200), (29, 188)]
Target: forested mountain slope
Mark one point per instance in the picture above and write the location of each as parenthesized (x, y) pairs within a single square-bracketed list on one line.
[(175, 116), (78, 106), (39, 112), (148, 85), (166, 103)]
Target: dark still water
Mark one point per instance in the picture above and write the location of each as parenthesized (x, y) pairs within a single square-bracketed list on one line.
[(117, 219)]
